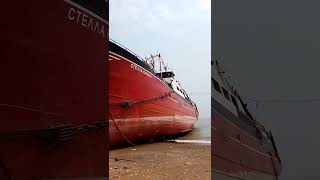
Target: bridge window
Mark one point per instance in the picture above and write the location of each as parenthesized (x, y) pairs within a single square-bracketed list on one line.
[(234, 101), (165, 74), (216, 85), (226, 93)]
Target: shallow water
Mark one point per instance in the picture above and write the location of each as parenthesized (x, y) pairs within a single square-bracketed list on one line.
[(201, 131)]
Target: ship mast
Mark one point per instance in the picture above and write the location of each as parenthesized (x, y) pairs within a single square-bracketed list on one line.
[(152, 62)]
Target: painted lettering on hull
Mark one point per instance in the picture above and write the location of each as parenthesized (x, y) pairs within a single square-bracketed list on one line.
[(138, 68), (84, 19)]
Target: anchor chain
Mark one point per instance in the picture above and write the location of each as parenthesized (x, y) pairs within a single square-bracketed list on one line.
[(128, 104), (142, 101)]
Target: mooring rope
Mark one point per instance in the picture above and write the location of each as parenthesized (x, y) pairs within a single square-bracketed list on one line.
[(123, 136), (54, 134), (128, 104)]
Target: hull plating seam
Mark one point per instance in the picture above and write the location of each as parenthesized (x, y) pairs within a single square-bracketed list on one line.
[(239, 164)]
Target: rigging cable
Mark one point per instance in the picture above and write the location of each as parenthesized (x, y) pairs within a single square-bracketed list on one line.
[(283, 100)]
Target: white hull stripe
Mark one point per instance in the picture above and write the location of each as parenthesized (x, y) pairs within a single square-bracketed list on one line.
[(187, 107), (190, 119), (172, 99), (113, 57), (117, 55)]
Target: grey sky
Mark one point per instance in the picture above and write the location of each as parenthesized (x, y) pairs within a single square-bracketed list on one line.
[(271, 48), (179, 30)]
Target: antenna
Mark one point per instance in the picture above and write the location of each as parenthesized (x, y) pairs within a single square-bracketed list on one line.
[(152, 61), (165, 66), (160, 65)]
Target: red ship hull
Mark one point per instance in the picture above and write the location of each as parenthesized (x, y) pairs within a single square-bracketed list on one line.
[(53, 83), (239, 155), (159, 111)]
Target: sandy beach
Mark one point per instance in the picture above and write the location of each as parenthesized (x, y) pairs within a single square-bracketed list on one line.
[(163, 160)]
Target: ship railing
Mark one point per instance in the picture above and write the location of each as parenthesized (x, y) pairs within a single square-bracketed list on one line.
[(261, 127), (253, 122), (117, 43)]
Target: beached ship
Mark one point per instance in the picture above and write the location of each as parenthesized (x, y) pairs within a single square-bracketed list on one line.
[(53, 90), (242, 147), (145, 99)]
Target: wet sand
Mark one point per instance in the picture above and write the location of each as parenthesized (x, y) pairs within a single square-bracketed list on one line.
[(163, 160)]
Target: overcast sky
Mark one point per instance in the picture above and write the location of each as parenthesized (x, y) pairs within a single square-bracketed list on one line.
[(179, 30), (272, 49)]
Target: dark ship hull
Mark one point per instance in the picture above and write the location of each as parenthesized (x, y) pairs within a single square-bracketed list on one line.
[(53, 90), (242, 147), (237, 151)]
